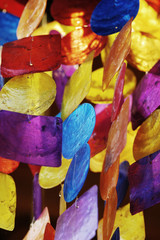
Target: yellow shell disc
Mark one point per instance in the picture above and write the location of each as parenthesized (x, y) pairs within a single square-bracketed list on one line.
[(45, 29), (97, 95), (29, 94), (147, 139), (131, 226), (77, 87), (7, 202), (50, 177)]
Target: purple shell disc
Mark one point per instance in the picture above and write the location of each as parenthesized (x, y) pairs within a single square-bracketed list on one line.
[(37, 197), (146, 98), (144, 182), (31, 139), (80, 221)]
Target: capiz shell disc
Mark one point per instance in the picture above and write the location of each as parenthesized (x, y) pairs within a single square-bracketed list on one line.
[(7, 165), (131, 227), (77, 87), (29, 93), (30, 55), (144, 181), (36, 232), (77, 129), (117, 54), (53, 176), (7, 202), (147, 139), (31, 17), (77, 173), (31, 139), (110, 16), (80, 221)]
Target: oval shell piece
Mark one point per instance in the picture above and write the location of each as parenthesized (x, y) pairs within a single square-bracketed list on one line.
[(118, 53), (147, 139), (29, 93), (7, 202), (50, 177), (31, 17)]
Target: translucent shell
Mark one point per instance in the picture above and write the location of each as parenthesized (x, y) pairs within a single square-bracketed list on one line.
[(118, 98), (47, 28), (29, 93), (8, 26), (145, 40), (127, 152), (118, 53), (77, 45), (147, 138), (13, 6), (31, 139), (7, 202), (143, 46), (110, 16), (53, 176), (115, 144), (144, 181), (79, 221), (8, 166), (97, 95), (30, 55), (31, 17), (77, 129), (77, 173), (49, 233), (131, 227), (77, 13), (77, 87), (109, 214), (149, 16), (155, 4), (36, 232)]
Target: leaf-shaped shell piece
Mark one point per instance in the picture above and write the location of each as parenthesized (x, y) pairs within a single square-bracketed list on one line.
[(77, 87), (118, 53), (31, 17)]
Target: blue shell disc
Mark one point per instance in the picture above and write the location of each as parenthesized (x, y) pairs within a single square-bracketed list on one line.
[(8, 27), (77, 129), (110, 16), (122, 184), (77, 173), (116, 235)]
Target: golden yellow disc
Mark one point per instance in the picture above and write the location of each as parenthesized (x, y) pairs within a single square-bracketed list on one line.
[(29, 94), (7, 202), (131, 226), (97, 95), (147, 140), (50, 177), (77, 87), (45, 29)]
